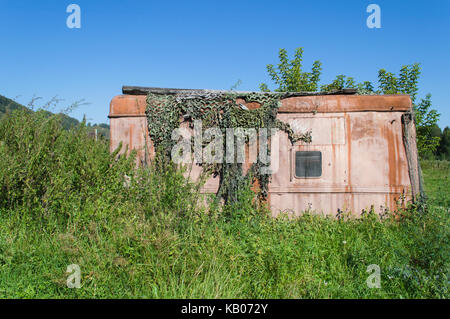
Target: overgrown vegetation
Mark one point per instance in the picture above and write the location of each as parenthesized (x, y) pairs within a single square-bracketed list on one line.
[(144, 233), (289, 77), (7, 106), (216, 113)]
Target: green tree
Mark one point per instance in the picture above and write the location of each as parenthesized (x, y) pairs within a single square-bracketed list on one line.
[(289, 77), (339, 83), (436, 131), (425, 117), (444, 145), (405, 83)]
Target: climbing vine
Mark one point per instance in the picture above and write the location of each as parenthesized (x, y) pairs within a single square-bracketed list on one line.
[(220, 110)]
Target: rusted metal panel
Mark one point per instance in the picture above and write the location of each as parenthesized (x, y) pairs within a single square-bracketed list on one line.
[(364, 162), (133, 133), (134, 105), (345, 103), (127, 106)]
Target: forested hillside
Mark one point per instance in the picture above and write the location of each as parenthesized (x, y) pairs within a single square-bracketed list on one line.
[(8, 105)]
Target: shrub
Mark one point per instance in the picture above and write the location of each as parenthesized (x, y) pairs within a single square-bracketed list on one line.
[(53, 171)]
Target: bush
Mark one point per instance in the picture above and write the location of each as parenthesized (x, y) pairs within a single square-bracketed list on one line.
[(52, 171)]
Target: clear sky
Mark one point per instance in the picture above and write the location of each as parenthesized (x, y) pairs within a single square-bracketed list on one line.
[(211, 44)]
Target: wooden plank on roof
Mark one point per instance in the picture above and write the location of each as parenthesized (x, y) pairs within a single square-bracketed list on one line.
[(140, 90)]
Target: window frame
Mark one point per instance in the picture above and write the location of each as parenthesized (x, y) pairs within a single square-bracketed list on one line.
[(294, 166)]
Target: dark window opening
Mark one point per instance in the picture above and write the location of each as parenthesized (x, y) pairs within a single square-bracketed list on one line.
[(308, 164)]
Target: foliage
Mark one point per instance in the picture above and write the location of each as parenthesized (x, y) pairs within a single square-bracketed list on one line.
[(7, 106), (405, 83), (290, 78), (339, 83), (221, 111), (426, 119), (44, 166), (146, 233), (437, 181), (443, 151)]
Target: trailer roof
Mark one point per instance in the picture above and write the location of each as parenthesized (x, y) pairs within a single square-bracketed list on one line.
[(133, 102)]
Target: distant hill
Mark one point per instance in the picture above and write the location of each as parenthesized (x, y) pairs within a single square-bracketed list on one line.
[(7, 105)]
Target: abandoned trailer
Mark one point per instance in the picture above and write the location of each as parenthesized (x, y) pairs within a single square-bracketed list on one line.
[(362, 152)]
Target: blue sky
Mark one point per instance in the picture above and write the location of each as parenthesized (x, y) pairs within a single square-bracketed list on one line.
[(211, 44)]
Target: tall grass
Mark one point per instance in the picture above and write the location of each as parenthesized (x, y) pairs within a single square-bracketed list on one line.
[(145, 233)]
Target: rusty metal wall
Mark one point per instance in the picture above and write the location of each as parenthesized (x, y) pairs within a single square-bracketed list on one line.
[(363, 164), (360, 137)]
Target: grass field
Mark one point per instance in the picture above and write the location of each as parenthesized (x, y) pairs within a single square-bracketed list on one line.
[(437, 181), (63, 201)]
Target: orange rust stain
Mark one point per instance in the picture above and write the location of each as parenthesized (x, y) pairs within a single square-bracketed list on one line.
[(398, 166), (130, 145), (249, 105), (349, 187), (398, 141), (133, 105), (391, 156), (393, 162), (246, 165), (349, 152), (333, 155)]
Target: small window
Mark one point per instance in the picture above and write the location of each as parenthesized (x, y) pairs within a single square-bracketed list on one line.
[(308, 164)]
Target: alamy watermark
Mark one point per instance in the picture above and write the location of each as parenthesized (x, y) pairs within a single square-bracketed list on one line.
[(374, 19), (211, 146), (374, 279), (74, 279), (74, 19)]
